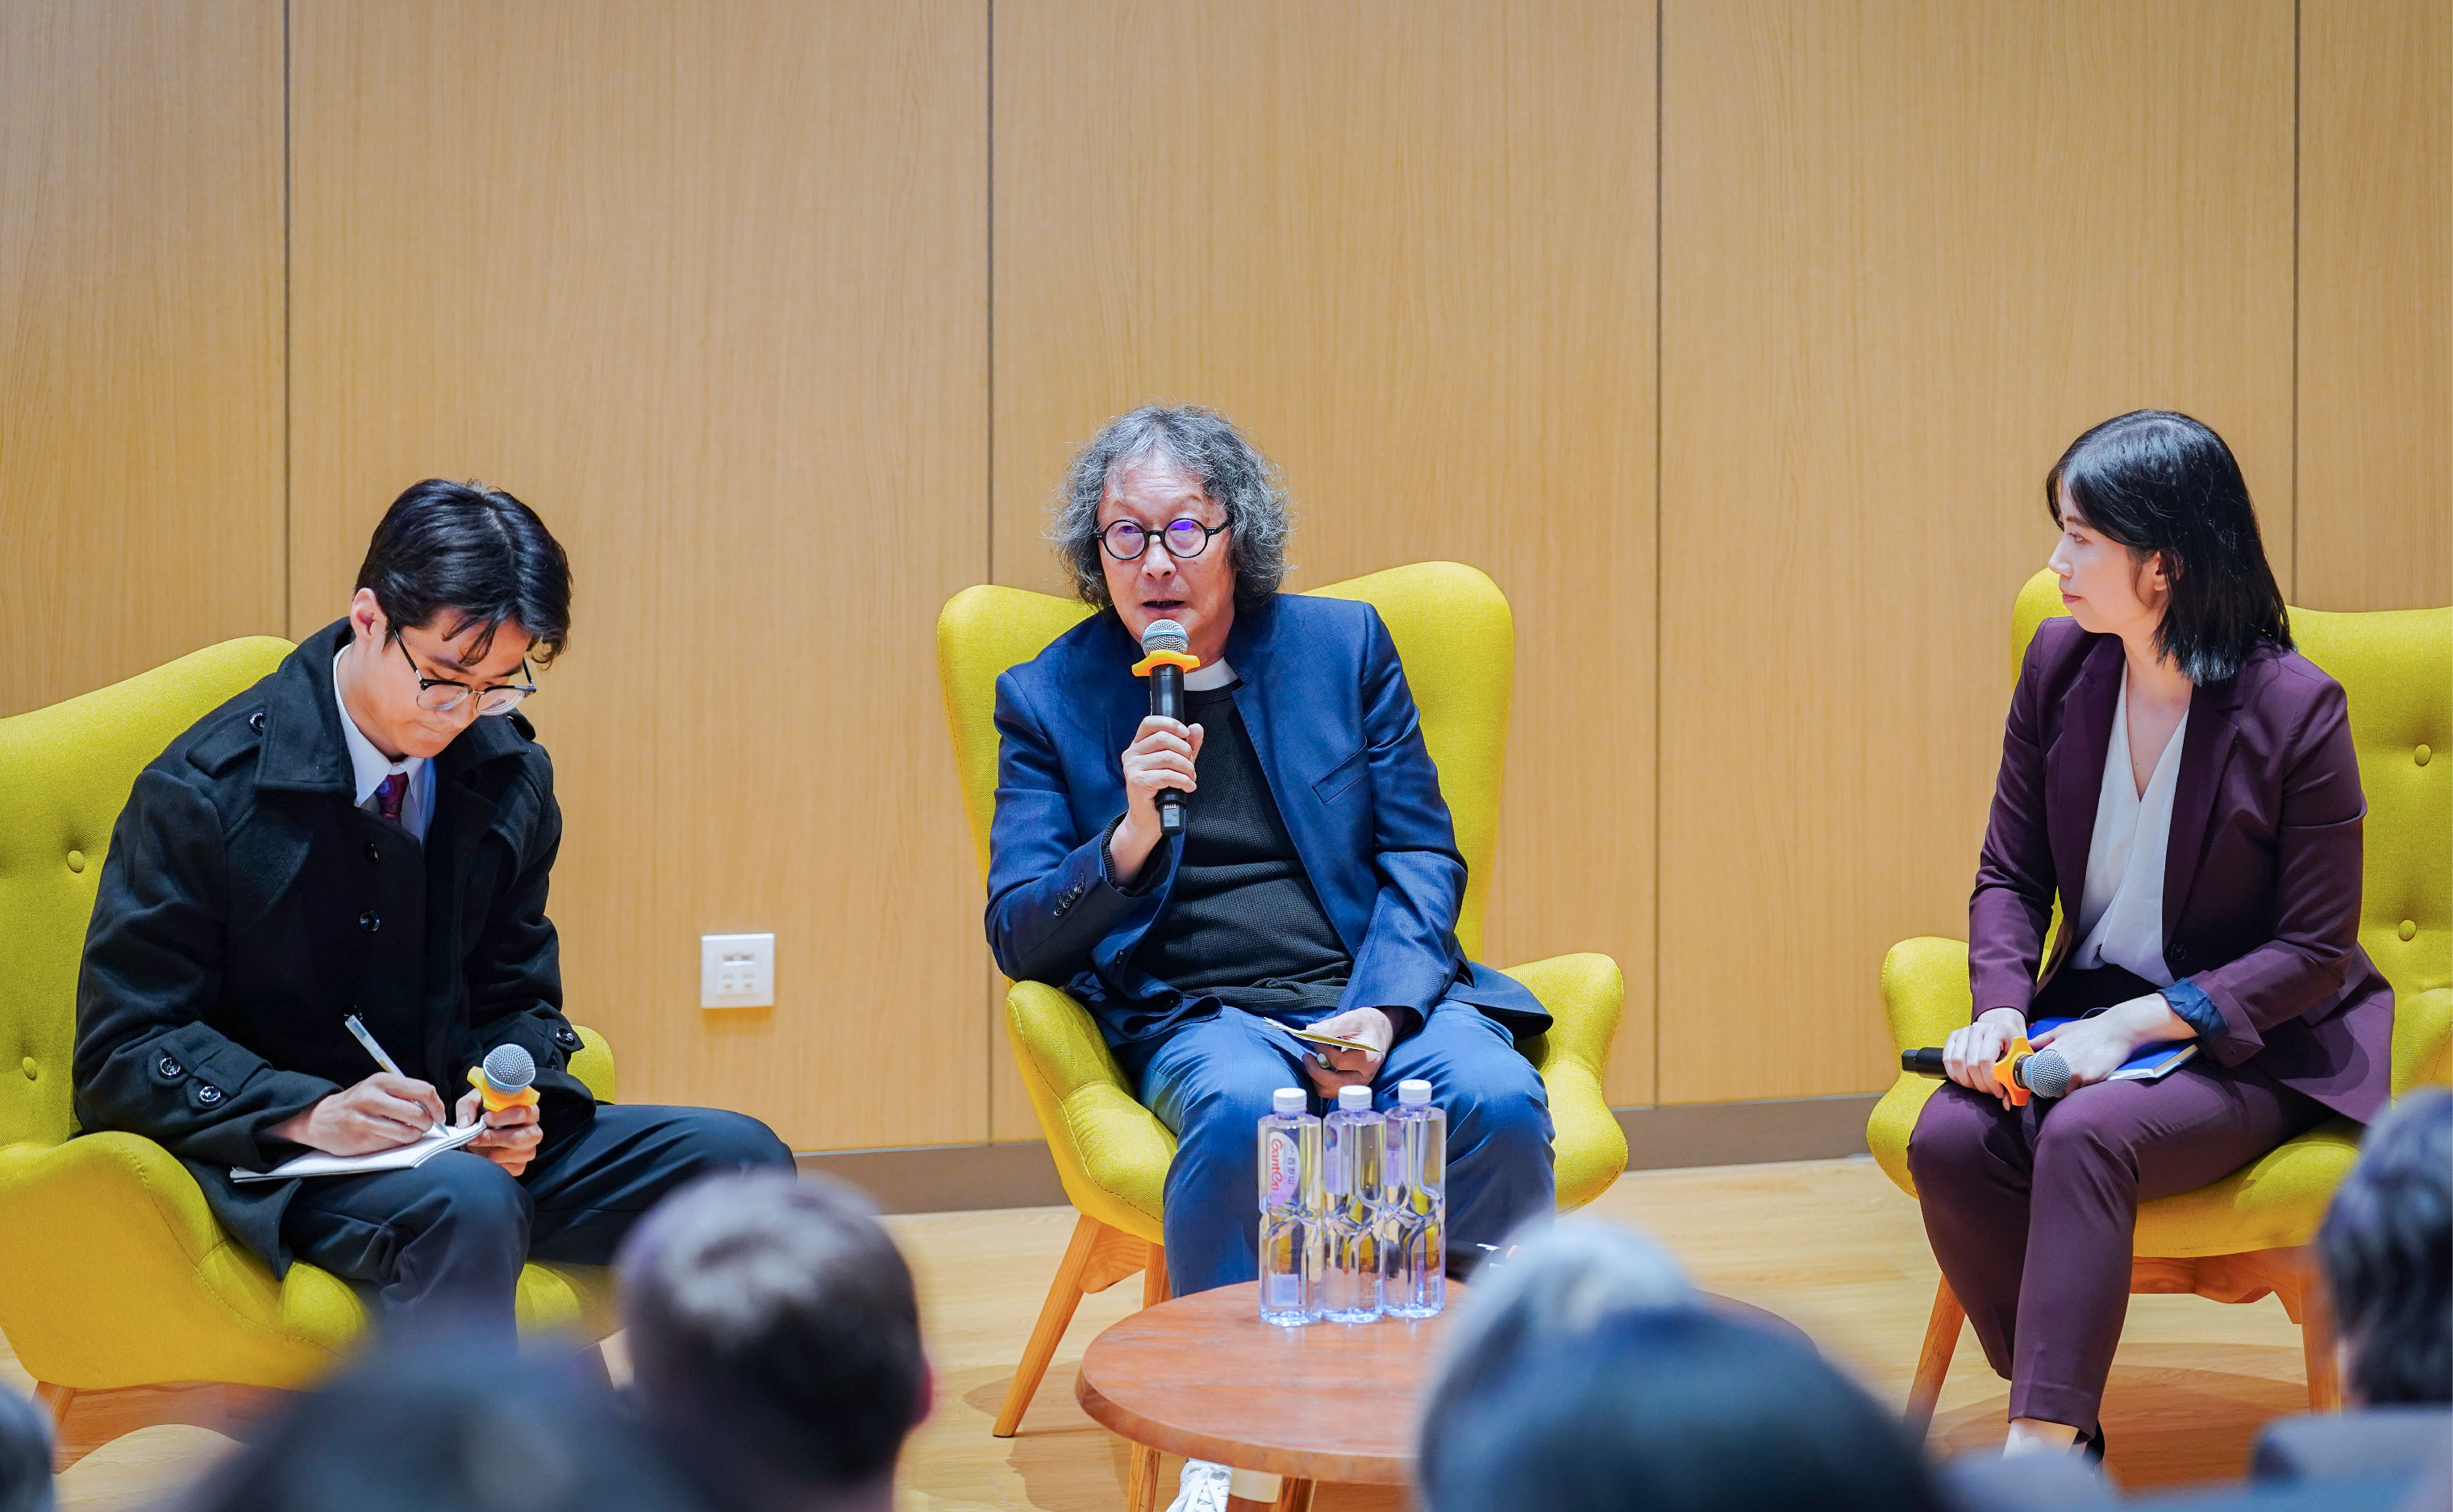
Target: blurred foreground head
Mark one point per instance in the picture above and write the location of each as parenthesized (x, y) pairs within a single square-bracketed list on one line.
[(774, 1339), (1583, 1374), (2386, 1247), (448, 1425), (25, 1456)]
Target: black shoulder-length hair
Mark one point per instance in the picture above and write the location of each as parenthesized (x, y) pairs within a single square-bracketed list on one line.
[(2163, 483)]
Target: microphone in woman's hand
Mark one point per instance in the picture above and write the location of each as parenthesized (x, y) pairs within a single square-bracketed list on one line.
[(2043, 1072)]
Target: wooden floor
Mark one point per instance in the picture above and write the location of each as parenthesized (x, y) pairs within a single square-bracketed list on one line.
[(1830, 1244)]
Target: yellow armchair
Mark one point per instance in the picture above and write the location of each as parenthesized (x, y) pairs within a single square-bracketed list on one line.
[(1453, 632), (119, 1291), (2246, 1236)]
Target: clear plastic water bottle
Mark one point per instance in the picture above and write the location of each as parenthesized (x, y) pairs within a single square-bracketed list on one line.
[(1291, 1202), (1351, 1165), (1415, 1211)]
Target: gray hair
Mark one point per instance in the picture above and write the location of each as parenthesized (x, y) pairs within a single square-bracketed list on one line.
[(1574, 1276), (1206, 444)]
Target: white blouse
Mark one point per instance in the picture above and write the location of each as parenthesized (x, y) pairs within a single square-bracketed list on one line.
[(2120, 917)]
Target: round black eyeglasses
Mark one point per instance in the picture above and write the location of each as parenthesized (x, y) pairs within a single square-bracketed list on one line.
[(1181, 539)]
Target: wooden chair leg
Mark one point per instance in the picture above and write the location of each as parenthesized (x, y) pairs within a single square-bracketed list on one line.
[(1293, 1496), (2316, 1311), (1141, 1486), (83, 1421), (1933, 1359), (1096, 1258), (1154, 1277)]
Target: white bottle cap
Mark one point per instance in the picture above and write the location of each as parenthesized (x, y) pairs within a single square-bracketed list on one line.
[(1354, 1100), (1413, 1093), (1287, 1100)]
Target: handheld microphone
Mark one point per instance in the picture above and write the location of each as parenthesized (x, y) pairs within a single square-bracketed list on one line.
[(2021, 1070), (506, 1079), (1167, 655)]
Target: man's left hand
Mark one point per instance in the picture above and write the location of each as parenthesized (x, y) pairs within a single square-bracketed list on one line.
[(1368, 1027), (511, 1134)]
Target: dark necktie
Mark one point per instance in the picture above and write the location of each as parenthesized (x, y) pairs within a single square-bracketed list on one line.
[(388, 793)]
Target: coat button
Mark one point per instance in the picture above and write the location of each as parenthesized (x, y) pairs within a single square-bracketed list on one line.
[(169, 1069), (208, 1094), (2180, 952), (2420, 755), (31, 1069), (371, 921), (2409, 928), (373, 855), (255, 722), (76, 861)]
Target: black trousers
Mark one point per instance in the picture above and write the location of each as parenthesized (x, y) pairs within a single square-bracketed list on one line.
[(440, 1245)]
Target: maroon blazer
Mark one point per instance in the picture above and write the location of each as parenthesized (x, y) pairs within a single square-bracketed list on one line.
[(2261, 872)]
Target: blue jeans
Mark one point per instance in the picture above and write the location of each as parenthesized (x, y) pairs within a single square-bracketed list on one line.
[(1210, 1082)]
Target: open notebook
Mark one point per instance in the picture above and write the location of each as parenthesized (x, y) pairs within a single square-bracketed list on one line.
[(2149, 1063), (398, 1157)]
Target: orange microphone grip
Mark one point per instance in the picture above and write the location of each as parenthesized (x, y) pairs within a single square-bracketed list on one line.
[(2004, 1070), (1184, 659), (526, 1096)]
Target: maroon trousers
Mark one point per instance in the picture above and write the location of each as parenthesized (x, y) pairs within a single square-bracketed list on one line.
[(2032, 1210)]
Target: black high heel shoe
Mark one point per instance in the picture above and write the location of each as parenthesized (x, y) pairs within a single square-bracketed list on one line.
[(2094, 1445)]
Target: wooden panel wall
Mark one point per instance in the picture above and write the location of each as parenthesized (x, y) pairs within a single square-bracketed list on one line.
[(1409, 248), (2376, 304), (1910, 250), (705, 283), (140, 336), (708, 282)]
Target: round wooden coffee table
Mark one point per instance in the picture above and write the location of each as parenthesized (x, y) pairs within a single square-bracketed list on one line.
[(1203, 1376)]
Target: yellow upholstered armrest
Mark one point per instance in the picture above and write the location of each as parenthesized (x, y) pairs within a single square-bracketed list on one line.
[(1111, 1152), (114, 1273), (1924, 992), (1583, 995), (593, 1065), (2422, 1039)]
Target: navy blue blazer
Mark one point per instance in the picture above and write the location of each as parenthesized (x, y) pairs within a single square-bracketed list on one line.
[(1324, 700)]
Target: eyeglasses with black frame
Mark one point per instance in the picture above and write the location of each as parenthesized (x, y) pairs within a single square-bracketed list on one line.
[(441, 695), (1181, 539)]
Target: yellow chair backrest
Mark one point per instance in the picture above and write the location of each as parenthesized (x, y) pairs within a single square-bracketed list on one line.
[(65, 772), (1452, 630), (2396, 667)]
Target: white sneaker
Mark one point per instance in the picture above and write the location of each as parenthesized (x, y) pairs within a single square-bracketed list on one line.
[(1203, 1487)]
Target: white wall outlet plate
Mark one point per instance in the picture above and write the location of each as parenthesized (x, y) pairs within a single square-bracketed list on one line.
[(736, 970)]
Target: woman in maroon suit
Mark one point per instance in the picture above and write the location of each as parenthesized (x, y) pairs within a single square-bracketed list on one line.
[(2182, 781)]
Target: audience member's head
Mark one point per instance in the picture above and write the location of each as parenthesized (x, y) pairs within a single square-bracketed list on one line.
[(25, 1456), (2387, 1251), (449, 1425), (774, 1339), (1584, 1374)]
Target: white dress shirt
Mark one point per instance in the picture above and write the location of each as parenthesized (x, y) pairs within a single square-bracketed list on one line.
[(373, 766), (2120, 917)]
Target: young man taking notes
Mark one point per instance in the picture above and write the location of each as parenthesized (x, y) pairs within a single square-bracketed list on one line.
[(370, 831)]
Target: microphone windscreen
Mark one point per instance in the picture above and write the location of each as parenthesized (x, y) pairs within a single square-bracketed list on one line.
[(2048, 1074), (1165, 635), (510, 1068)]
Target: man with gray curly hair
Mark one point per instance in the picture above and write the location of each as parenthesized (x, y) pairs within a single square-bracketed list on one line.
[(1315, 883)]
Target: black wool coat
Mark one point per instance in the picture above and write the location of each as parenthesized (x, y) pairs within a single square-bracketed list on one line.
[(249, 905)]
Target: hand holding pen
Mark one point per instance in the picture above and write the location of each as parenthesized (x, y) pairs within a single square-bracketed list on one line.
[(385, 1110)]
